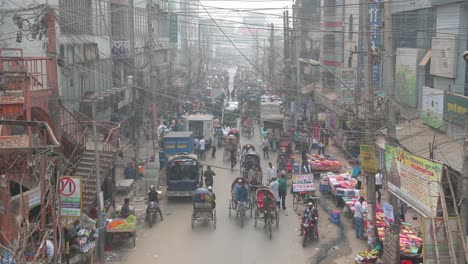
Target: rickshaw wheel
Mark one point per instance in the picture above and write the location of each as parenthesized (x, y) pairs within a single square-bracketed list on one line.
[(269, 226), (214, 218), (251, 208), (256, 216), (295, 202), (230, 207), (277, 219), (304, 240)]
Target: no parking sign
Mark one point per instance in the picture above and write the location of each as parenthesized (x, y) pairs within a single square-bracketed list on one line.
[(70, 196)]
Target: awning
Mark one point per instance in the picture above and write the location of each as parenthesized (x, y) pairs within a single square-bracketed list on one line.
[(426, 58)]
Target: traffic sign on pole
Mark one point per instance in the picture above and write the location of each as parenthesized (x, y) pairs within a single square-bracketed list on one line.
[(70, 196)]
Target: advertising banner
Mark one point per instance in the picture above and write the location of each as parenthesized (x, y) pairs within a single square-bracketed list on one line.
[(413, 179), (389, 215), (438, 233), (432, 109), (303, 183), (406, 76), (368, 158), (455, 107)]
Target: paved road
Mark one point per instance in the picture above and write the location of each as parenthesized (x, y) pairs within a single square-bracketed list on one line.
[(174, 241)]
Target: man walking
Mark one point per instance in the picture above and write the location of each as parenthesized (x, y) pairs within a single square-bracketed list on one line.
[(271, 172), (266, 146), (358, 213), (305, 163), (282, 190), (321, 148), (378, 184), (202, 148), (196, 146)]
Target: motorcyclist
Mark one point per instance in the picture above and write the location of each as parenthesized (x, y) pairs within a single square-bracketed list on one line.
[(209, 176), (153, 196), (310, 214)]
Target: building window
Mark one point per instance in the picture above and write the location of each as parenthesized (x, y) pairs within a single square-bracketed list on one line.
[(330, 8), (75, 17), (119, 28), (351, 26)]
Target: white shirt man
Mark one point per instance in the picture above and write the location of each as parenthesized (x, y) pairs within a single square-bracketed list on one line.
[(202, 144), (379, 178), (274, 186), (49, 249), (271, 172)]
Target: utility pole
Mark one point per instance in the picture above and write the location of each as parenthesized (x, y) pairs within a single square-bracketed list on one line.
[(297, 42), (256, 52), (357, 90), (271, 71), (97, 172), (464, 206), (391, 127), (369, 118)]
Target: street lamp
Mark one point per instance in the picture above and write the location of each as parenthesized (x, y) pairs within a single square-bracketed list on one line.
[(317, 63)]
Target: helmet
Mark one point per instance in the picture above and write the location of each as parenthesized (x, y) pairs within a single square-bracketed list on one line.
[(210, 188), (310, 204), (152, 188), (240, 180)]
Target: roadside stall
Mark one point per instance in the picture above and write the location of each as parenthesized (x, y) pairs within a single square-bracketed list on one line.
[(121, 229), (323, 163)]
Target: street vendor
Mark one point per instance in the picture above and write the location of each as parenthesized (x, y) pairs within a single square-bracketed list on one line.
[(125, 210)]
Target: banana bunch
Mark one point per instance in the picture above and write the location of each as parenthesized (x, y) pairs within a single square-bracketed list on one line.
[(374, 253), (368, 255), (363, 253)]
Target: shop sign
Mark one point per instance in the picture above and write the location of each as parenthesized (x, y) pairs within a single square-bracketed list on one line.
[(432, 110), (413, 179), (444, 56), (70, 196), (368, 158), (303, 183), (389, 216), (455, 107), (439, 232), (34, 198)]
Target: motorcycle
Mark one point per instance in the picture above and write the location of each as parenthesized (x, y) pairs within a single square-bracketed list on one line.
[(309, 229), (153, 209)]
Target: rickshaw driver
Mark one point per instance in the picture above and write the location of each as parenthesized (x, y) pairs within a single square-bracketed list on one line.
[(310, 214), (153, 196), (268, 204), (241, 193)]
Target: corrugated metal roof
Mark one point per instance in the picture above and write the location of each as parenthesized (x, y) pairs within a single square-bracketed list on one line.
[(416, 136)]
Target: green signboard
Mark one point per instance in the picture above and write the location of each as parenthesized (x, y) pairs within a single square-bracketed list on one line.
[(455, 107)]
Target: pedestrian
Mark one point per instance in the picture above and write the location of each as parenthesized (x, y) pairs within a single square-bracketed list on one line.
[(196, 147), (282, 190), (296, 140), (358, 214), (233, 159), (266, 146), (161, 159), (274, 187), (271, 172), (209, 176), (403, 209), (305, 163), (202, 148), (378, 184), (213, 151), (321, 148)]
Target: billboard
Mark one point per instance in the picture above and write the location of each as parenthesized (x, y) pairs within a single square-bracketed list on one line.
[(413, 179), (432, 109), (455, 107), (444, 56), (375, 24), (406, 76)]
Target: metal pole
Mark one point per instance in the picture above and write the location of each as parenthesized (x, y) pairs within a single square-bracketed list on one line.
[(97, 171), (371, 199), (464, 206)]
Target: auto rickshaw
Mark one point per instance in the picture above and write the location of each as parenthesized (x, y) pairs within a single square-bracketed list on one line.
[(184, 174)]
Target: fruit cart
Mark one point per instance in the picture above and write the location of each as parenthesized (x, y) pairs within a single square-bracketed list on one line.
[(118, 229)]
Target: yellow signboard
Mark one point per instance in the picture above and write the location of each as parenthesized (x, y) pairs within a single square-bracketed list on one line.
[(368, 159)]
